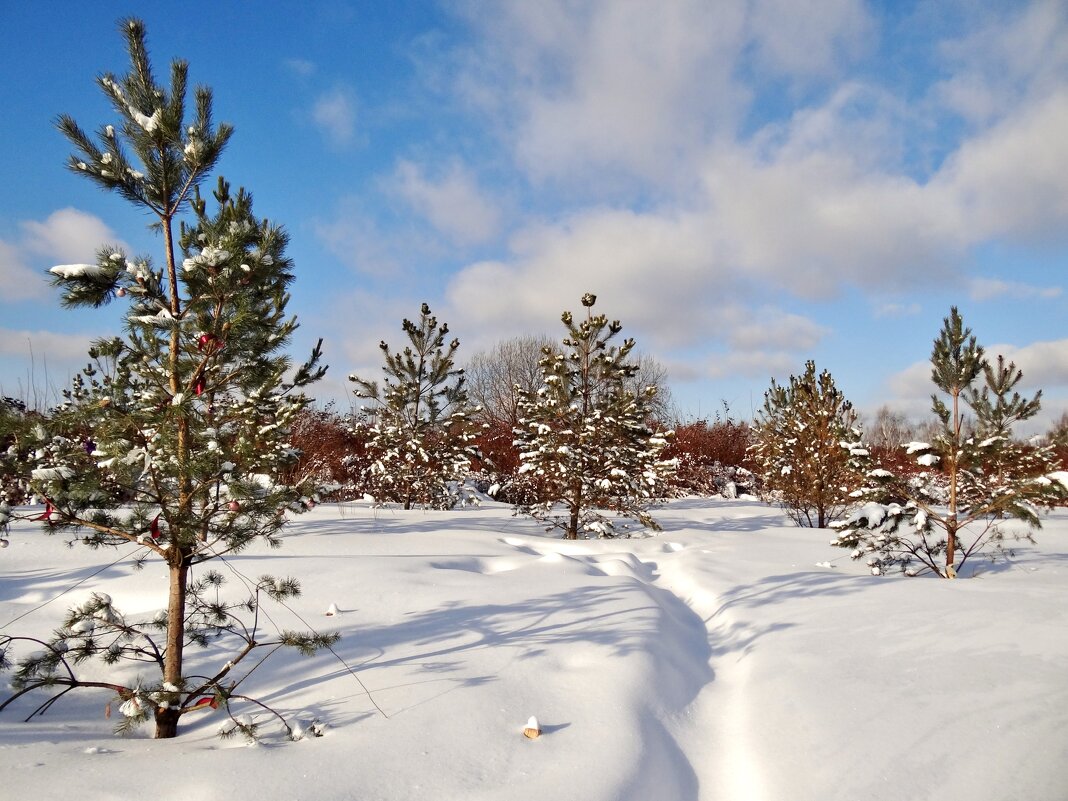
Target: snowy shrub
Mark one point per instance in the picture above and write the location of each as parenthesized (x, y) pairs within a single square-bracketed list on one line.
[(332, 451), (711, 458), (1057, 439)]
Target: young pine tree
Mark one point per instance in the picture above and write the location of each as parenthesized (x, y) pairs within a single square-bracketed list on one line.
[(16, 427), (996, 410), (906, 519), (175, 441), (1057, 439), (807, 448), (422, 424), (584, 436)]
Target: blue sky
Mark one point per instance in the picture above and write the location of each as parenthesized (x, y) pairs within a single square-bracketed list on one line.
[(745, 184)]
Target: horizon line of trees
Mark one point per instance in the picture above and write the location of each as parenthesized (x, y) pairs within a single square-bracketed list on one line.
[(714, 453)]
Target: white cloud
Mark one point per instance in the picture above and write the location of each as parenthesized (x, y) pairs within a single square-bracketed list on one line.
[(797, 39), (820, 200), (300, 67), (803, 210), (650, 270), (454, 203), (894, 310), (335, 114), (912, 382), (602, 84), (69, 235), (19, 282), (56, 347), (814, 223), (65, 236), (1022, 54), (982, 289), (361, 243), (763, 365), (808, 226), (767, 327), (1012, 179)]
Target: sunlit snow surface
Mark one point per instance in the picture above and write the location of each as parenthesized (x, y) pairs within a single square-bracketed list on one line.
[(721, 659)]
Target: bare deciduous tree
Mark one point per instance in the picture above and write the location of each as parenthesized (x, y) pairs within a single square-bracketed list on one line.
[(495, 376)]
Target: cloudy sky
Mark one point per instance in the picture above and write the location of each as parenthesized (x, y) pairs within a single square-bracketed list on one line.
[(745, 184)]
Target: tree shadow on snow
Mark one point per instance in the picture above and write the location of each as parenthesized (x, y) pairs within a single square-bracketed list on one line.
[(434, 642), (399, 521), (771, 590), (37, 586), (531, 626), (732, 631), (755, 523)]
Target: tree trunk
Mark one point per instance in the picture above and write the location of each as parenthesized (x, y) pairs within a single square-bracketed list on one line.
[(166, 723), (167, 719), (951, 522), (575, 508), (951, 546)]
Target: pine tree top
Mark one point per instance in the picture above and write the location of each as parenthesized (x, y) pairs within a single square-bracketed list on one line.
[(956, 357)]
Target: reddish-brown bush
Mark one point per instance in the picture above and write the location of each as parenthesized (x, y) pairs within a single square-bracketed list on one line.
[(496, 448), (332, 450), (712, 458)]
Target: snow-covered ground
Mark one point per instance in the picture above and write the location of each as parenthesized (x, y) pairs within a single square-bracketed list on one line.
[(721, 659)]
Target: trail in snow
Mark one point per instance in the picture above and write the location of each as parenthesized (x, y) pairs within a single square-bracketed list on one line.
[(698, 727), (717, 726), (679, 672)]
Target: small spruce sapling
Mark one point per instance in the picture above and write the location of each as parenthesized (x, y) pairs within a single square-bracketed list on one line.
[(905, 522), (175, 440), (584, 435), (421, 423)]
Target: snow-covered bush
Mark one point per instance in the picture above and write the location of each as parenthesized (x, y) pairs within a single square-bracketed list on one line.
[(1057, 439), (332, 452), (711, 458)]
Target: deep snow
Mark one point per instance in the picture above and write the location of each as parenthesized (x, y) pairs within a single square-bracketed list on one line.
[(720, 659)]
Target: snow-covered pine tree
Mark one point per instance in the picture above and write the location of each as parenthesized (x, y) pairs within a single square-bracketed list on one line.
[(176, 438), (422, 427), (1057, 439), (16, 425), (996, 410), (906, 518), (807, 448), (584, 435)]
